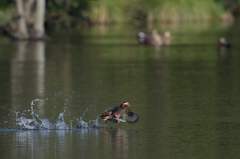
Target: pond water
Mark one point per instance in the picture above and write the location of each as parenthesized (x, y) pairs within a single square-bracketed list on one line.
[(187, 94)]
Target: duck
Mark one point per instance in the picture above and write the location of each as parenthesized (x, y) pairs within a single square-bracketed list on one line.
[(223, 43), (152, 38), (167, 38), (118, 113)]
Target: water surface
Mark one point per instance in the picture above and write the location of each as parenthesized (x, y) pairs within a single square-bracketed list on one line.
[(187, 94)]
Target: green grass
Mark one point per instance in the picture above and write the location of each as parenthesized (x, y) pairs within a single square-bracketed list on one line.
[(6, 15), (173, 11), (132, 11)]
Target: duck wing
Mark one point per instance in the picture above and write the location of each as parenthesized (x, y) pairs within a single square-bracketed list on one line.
[(131, 117)]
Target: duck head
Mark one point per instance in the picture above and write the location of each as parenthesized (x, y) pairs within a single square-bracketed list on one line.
[(167, 34), (222, 40), (141, 37), (125, 105)]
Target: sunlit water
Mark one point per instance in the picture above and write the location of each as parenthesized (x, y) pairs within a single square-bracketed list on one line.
[(187, 95)]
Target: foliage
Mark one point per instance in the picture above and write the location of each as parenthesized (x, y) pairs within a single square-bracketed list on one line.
[(145, 11), (71, 12), (105, 11), (4, 4), (232, 6), (6, 11), (6, 15)]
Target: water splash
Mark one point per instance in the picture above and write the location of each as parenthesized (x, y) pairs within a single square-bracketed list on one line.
[(82, 124), (89, 124), (25, 123), (33, 123), (46, 124), (60, 124), (96, 124), (37, 123)]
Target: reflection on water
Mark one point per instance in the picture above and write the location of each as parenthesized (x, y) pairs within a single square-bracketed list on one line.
[(42, 144), (27, 67), (94, 143)]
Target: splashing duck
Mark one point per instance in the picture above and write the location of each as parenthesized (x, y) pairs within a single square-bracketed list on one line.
[(116, 114)]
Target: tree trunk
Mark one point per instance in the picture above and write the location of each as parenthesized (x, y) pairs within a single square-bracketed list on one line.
[(28, 11), (27, 31), (39, 20), (22, 26)]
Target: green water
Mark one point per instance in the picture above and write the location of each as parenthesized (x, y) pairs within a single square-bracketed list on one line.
[(187, 94)]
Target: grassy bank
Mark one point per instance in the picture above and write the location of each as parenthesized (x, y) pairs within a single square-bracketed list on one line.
[(71, 13), (155, 11)]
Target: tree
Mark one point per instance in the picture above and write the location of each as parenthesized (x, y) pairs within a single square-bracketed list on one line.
[(22, 32), (39, 31), (28, 29)]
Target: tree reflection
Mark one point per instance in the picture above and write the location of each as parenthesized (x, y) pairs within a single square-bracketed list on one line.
[(28, 70)]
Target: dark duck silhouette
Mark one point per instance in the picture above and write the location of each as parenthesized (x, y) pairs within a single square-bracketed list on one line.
[(223, 43), (120, 114), (152, 38)]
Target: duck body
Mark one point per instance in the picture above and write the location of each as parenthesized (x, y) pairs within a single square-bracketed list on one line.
[(120, 114)]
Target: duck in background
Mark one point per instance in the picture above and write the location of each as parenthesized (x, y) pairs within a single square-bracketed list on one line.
[(154, 38), (167, 38), (120, 114), (223, 43)]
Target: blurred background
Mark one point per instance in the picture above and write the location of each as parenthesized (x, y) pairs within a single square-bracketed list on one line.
[(79, 13)]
